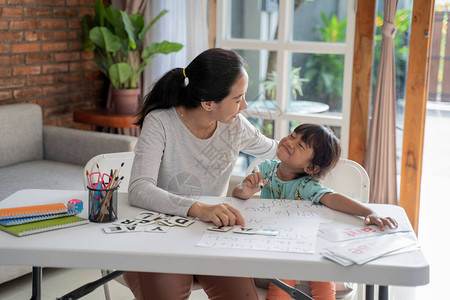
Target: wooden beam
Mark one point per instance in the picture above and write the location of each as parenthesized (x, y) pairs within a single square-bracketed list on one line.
[(415, 108), (362, 80)]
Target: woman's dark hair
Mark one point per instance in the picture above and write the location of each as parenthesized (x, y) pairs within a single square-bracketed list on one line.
[(326, 146), (211, 75)]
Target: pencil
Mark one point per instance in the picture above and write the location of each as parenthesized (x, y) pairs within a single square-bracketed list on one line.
[(260, 183)]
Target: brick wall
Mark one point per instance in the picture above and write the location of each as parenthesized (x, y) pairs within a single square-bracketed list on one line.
[(42, 61)]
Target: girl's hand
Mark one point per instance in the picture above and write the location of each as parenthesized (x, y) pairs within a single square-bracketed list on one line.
[(250, 185), (254, 182), (380, 221), (220, 214)]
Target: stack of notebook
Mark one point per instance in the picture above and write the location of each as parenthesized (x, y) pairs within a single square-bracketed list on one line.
[(27, 220)]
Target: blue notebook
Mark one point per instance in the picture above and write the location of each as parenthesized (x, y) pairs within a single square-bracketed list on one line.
[(18, 221)]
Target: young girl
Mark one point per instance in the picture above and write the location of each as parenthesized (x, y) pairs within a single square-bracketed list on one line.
[(306, 155)]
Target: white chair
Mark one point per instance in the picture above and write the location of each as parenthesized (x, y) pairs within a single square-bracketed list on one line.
[(122, 161), (349, 178)]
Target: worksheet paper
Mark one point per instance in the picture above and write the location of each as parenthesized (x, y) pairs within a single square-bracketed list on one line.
[(297, 223)]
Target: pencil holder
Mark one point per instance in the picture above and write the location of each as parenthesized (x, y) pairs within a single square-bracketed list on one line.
[(103, 205)]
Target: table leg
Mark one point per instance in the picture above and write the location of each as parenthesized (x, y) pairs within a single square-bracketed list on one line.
[(383, 292), (369, 292), (89, 287), (36, 283)]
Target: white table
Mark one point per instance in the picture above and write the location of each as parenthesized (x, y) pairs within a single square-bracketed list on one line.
[(86, 246)]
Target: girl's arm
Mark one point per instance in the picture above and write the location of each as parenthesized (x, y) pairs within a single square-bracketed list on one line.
[(345, 204)]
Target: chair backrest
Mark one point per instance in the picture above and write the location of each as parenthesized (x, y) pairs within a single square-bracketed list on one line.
[(348, 178), (111, 161)]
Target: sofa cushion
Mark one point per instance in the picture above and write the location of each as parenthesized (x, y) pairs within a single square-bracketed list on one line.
[(79, 146), (20, 133), (40, 174)]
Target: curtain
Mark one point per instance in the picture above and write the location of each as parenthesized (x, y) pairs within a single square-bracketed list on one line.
[(134, 6), (381, 148), (185, 23)]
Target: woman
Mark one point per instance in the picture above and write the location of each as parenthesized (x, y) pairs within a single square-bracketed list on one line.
[(192, 133)]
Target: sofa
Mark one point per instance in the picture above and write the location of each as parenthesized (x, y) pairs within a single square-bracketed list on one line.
[(37, 156)]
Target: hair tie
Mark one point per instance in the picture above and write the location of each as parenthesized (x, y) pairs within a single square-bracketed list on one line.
[(186, 79)]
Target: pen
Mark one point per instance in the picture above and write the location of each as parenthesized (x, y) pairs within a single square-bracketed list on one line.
[(260, 183)]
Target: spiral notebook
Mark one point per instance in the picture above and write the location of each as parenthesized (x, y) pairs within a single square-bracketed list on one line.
[(42, 226), (18, 221), (32, 211)]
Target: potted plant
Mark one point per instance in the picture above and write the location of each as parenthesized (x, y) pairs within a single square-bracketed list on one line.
[(117, 39)]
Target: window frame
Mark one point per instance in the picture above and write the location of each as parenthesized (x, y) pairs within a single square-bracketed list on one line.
[(285, 47)]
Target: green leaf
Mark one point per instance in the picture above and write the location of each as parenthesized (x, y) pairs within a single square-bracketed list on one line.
[(119, 73), (105, 39), (86, 25), (138, 23), (99, 13), (164, 48), (101, 60), (114, 19), (146, 28), (137, 20), (129, 29)]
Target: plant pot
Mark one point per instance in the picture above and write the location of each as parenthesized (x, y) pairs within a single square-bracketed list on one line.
[(126, 101)]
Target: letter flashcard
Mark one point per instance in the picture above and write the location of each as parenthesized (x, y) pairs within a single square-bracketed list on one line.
[(114, 229), (245, 230), (220, 228), (157, 229), (180, 221)]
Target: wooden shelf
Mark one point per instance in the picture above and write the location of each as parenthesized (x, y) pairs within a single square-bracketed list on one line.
[(105, 118)]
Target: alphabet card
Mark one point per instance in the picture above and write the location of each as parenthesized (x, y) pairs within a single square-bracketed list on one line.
[(180, 221), (149, 221), (126, 222), (220, 228), (114, 229), (148, 215), (364, 250), (337, 232), (157, 229)]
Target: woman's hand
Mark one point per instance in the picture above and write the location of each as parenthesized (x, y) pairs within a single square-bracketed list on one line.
[(220, 214), (380, 221)]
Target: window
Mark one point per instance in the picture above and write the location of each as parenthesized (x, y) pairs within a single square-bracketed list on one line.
[(299, 55)]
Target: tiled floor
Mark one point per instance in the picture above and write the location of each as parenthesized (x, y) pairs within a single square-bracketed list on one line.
[(435, 206)]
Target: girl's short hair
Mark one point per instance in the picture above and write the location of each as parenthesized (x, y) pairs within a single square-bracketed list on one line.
[(209, 77), (325, 144)]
